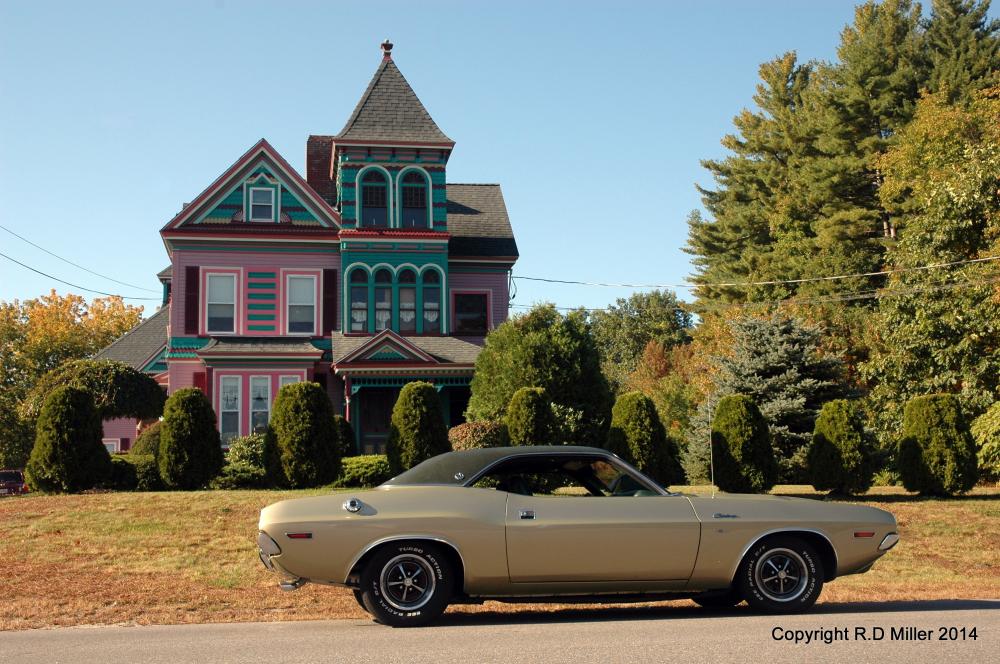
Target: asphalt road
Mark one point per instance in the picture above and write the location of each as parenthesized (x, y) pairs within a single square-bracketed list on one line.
[(662, 634)]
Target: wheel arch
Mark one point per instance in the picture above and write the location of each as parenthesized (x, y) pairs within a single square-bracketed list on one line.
[(815, 538), (367, 553)]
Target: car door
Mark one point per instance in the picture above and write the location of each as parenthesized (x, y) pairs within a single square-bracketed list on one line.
[(597, 538)]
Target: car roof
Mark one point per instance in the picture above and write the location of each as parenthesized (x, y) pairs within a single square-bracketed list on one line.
[(458, 467)]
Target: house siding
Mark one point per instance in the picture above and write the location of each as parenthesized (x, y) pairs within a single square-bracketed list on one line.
[(122, 428), (495, 283)]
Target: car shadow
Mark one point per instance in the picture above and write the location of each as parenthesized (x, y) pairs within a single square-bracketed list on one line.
[(682, 612)]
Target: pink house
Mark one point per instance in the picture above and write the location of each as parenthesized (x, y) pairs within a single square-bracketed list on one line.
[(370, 272)]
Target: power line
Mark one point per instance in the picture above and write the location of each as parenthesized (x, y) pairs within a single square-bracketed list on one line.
[(776, 282), (77, 265), (62, 281)]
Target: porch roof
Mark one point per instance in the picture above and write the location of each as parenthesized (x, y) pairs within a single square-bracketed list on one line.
[(262, 347), (444, 350)]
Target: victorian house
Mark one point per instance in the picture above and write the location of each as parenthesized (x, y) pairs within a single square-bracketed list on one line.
[(369, 272)]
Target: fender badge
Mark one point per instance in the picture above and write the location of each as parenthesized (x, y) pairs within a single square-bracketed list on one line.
[(720, 515), (459, 476)]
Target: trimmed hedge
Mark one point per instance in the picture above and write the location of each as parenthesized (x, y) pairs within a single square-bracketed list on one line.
[(118, 390), (364, 470), (240, 475), (937, 455), (416, 430), (190, 448), (148, 441), (247, 450), (842, 454), (986, 433), (477, 435), (637, 436), (345, 435), (68, 455), (305, 449), (529, 417), (741, 447)]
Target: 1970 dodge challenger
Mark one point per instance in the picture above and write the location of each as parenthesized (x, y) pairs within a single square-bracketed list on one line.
[(563, 523)]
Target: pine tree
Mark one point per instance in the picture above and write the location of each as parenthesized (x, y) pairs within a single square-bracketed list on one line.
[(778, 363), (963, 48)]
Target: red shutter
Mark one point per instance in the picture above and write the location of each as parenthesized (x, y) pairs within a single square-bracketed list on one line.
[(329, 302), (125, 444), (200, 380), (192, 290)]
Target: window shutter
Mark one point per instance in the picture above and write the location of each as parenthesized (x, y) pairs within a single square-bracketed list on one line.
[(200, 380), (192, 288), (329, 301), (125, 444)]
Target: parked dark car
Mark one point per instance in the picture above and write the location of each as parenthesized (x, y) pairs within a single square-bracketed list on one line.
[(12, 483)]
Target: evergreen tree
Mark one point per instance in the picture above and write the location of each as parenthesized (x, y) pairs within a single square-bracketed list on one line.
[(777, 362), (937, 455), (963, 48), (741, 447), (529, 418), (544, 349), (842, 451), (638, 436), (190, 449), (416, 429), (305, 436)]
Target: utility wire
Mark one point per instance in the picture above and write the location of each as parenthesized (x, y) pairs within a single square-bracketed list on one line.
[(775, 282), (62, 281), (77, 265)]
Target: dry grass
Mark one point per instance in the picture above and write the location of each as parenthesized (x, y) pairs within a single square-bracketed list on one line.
[(161, 558)]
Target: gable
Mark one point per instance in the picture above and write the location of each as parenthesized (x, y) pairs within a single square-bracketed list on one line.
[(227, 200), (387, 346)]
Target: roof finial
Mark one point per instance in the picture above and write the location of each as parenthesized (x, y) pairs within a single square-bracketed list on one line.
[(387, 50)]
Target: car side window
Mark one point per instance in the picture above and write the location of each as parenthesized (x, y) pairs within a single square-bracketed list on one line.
[(568, 477)]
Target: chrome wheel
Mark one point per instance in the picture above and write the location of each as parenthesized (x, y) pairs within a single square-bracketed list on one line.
[(781, 575), (407, 582)]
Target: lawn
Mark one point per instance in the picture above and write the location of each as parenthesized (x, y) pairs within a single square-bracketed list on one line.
[(156, 558)]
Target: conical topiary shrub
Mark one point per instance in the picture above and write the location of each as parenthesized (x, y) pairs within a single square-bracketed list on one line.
[(741, 447), (305, 436), (190, 449), (937, 455), (637, 435), (68, 455), (417, 430), (529, 417), (840, 458)]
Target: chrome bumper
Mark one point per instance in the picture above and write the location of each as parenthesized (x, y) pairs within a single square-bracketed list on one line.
[(267, 547), (888, 542)]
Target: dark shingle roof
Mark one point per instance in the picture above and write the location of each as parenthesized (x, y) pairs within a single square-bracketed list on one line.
[(443, 349), (478, 221), (390, 110), (262, 345), (166, 273), (139, 344)]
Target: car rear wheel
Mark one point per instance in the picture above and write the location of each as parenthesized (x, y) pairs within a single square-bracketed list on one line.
[(359, 599), (407, 584), (718, 599), (781, 574)]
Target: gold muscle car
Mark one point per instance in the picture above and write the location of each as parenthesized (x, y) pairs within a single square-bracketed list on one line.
[(562, 523)]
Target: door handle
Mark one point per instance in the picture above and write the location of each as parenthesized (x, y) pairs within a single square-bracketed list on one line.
[(527, 514)]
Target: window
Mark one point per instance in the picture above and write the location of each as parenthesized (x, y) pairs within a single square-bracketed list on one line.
[(260, 403), (359, 301), (383, 299), (261, 204), (432, 302), (566, 476), (470, 313), (112, 445), (288, 380), (301, 304), (221, 303), (414, 209), (374, 200), (229, 408), (407, 302)]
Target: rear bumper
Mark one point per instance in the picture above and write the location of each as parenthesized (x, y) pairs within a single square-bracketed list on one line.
[(267, 551)]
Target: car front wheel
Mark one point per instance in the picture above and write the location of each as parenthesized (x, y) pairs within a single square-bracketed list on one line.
[(781, 574), (407, 584)]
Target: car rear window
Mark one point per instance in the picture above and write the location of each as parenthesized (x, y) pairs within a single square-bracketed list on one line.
[(11, 476), (450, 468)]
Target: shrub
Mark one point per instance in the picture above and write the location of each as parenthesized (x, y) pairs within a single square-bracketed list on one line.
[(741, 447), (16, 436), (123, 477), (365, 470), (68, 455), (529, 417), (568, 426), (637, 436), (841, 456), (345, 435), (118, 390), (190, 450), (937, 455), (148, 441), (147, 472), (476, 435), (306, 450), (986, 433), (416, 430), (247, 450), (240, 475)]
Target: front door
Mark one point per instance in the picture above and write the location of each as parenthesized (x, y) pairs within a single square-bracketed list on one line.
[(376, 411)]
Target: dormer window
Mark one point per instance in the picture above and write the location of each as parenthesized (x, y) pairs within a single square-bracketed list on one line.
[(261, 204), (414, 195), (374, 200)]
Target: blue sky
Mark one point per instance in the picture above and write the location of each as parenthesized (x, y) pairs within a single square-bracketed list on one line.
[(593, 117)]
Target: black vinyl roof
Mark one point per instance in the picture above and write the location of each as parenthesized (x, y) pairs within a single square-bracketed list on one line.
[(446, 468)]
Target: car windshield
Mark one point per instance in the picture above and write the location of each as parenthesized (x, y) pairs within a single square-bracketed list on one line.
[(11, 476)]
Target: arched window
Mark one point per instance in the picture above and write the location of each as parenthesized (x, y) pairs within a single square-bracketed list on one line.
[(383, 300), (359, 301), (414, 196), (407, 302), (432, 302), (374, 200)]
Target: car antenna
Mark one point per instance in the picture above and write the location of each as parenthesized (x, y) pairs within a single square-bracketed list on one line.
[(711, 449)]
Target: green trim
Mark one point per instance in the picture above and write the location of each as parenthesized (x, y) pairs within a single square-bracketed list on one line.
[(261, 328), (264, 285), (261, 296), (260, 317), (261, 275), (260, 307), (188, 342)]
